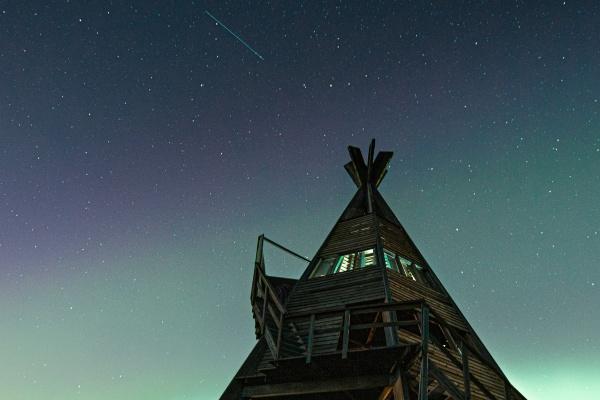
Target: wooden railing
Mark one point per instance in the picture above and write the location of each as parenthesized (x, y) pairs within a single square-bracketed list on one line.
[(270, 307), (422, 321), (346, 315)]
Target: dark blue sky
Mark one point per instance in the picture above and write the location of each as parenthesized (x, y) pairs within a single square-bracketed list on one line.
[(143, 149)]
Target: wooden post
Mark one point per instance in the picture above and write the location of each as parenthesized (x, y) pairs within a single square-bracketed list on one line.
[(346, 334), (368, 181), (259, 249), (391, 332), (279, 335), (264, 309), (257, 261), (465, 366), (424, 381), (311, 334)]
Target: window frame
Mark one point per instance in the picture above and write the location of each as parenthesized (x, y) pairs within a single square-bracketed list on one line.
[(357, 260)]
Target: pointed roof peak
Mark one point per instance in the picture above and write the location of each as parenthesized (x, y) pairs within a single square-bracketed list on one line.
[(367, 175), (370, 171)]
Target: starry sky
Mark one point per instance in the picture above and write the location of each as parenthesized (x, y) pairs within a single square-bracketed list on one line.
[(143, 149)]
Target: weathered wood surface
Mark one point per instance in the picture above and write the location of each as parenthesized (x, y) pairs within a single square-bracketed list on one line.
[(405, 289), (352, 235), (396, 239), (346, 288), (445, 361)]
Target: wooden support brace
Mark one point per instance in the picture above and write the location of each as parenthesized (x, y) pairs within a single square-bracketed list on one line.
[(371, 334), (264, 314), (446, 383), (459, 366)]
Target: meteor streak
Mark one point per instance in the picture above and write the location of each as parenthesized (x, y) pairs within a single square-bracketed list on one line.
[(234, 35)]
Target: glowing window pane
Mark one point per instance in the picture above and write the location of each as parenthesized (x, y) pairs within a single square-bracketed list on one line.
[(406, 268), (368, 258), (346, 262), (390, 260)]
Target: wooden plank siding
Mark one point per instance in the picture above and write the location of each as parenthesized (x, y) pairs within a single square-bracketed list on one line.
[(396, 239), (316, 294), (350, 236), (345, 288), (405, 289)]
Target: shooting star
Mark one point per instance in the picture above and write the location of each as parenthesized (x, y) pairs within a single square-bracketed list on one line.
[(234, 35)]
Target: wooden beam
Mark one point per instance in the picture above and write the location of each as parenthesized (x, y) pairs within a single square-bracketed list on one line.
[(259, 250), (311, 334), (279, 336), (446, 382), (346, 334), (263, 315), (371, 334), (424, 379), (464, 352), (385, 393), (370, 325), (400, 388), (364, 308), (285, 249), (380, 167), (459, 366), (270, 343), (359, 164), (391, 334), (312, 387), (368, 183)]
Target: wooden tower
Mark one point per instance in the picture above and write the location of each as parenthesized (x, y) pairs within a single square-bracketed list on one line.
[(368, 319)]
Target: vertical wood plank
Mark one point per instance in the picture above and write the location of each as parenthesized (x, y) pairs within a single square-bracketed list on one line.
[(391, 333), (465, 366), (424, 381), (255, 275), (279, 336), (311, 334), (346, 334), (264, 309)]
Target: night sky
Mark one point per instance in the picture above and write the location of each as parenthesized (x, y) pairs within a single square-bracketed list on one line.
[(143, 149)]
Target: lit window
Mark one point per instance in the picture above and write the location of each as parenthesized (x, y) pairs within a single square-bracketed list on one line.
[(347, 262), (367, 258), (407, 268), (390, 260)]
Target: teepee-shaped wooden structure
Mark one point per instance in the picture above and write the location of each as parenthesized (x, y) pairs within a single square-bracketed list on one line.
[(368, 319)]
